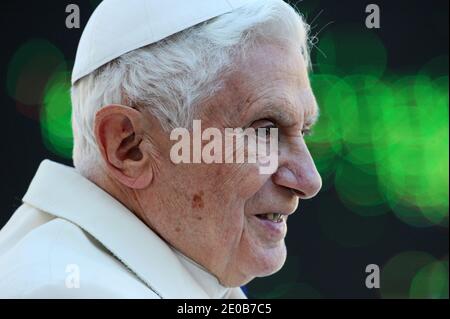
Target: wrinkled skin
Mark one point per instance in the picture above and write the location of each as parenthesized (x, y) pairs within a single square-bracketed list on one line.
[(207, 211)]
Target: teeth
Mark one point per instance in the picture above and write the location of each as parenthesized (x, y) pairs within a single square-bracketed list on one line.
[(275, 217)]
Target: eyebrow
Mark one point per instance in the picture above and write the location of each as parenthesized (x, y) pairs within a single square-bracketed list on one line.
[(310, 103), (286, 117)]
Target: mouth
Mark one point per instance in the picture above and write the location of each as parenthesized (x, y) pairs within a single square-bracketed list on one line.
[(273, 217), (270, 226)]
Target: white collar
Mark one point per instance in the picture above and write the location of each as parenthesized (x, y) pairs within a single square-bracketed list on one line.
[(61, 191), (208, 281)]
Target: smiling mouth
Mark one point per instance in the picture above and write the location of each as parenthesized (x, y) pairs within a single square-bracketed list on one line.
[(273, 217)]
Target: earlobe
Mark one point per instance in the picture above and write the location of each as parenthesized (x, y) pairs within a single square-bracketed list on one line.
[(135, 182), (142, 181), (119, 132)]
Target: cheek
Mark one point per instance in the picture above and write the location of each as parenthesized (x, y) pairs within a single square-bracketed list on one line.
[(239, 182), (219, 195), (232, 187)]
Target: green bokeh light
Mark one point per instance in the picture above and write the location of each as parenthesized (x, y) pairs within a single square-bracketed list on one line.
[(358, 190), (348, 50), (387, 143), (414, 174), (56, 115), (325, 144), (30, 68), (373, 96), (398, 273), (431, 282)]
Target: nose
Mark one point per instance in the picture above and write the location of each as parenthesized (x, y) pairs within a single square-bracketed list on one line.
[(298, 173)]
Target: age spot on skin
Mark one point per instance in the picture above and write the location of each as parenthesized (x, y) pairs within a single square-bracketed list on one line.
[(197, 200)]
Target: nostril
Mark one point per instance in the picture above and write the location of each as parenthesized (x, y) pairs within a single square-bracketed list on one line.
[(297, 192)]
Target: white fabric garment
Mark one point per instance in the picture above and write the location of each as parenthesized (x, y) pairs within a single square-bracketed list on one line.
[(71, 239)]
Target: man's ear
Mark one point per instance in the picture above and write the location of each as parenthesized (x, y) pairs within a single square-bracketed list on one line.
[(119, 132)]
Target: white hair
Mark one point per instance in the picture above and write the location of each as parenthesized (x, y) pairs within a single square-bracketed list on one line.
[(173, 76)]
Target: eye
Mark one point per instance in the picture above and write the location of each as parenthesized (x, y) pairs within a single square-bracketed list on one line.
[(265, 125), (268, 129)]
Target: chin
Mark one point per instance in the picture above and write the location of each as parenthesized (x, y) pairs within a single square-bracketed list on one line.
[(273, 260), (266, 262), (255, 261)]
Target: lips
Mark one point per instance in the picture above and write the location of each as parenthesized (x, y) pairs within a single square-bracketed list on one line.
[(271, 227)]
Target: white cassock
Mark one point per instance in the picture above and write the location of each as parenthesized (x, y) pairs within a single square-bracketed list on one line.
[(71, 239)]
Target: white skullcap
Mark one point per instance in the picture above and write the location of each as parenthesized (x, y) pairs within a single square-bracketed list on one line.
[(120, 26)]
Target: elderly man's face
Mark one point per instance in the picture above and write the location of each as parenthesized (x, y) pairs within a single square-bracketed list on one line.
[(211, 210), (214, 213)]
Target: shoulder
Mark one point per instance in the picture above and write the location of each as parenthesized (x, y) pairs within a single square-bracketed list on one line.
[(57, 259)]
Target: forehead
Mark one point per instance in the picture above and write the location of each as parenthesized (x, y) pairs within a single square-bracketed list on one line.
[(271, 78), (274, 62)]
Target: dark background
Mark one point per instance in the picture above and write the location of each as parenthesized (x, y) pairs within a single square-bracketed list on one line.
[(413, 32)]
